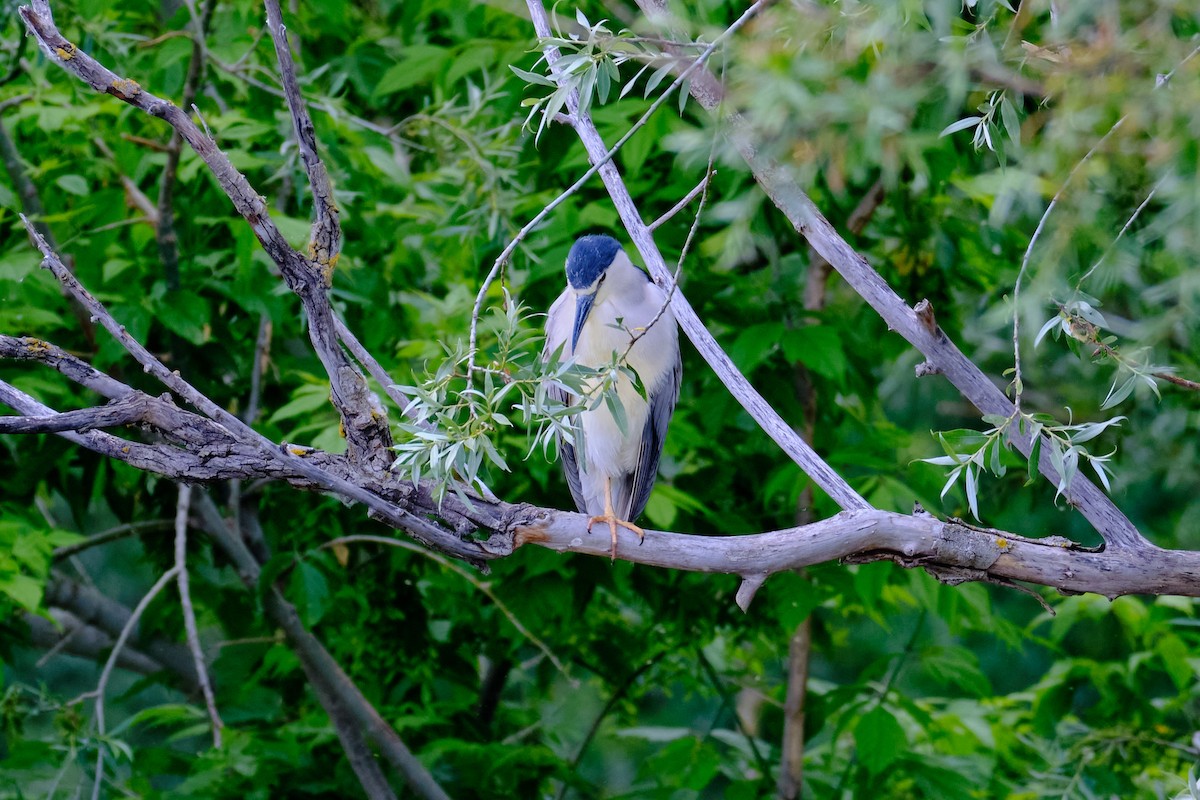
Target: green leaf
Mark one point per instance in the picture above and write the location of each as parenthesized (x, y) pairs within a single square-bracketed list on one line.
[(879, 740), (960, 125), (419, 64), (72, 184), (817, 347), (311, 591)]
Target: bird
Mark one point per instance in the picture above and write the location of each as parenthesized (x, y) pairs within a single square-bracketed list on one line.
[(611, 308)]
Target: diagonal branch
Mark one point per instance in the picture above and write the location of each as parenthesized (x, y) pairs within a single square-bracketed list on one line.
[(923, 333), (189, 613), (326, 240), (129, 409), (762, 412)]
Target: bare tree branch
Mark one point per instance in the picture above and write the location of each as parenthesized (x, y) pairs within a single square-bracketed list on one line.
[(68, 633), (942, 355), (164, 230), (762, 412), (189, 613), (106, 673), (112, 535), (127, 410), (326, 241)]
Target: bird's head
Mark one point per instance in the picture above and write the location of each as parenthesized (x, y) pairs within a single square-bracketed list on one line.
[(587, 267)]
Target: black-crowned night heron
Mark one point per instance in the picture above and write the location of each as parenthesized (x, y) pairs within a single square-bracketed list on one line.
[(607, 304)]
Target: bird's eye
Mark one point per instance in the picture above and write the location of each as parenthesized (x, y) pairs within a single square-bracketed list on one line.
[(601, 281)]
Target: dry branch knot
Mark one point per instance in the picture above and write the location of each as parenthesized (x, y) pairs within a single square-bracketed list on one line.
[(960, 546), (924, 312)]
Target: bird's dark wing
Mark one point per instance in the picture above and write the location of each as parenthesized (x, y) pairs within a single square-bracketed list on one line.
[(662, 406)]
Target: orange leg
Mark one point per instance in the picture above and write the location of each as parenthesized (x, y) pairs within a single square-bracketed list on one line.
[(610, 517)]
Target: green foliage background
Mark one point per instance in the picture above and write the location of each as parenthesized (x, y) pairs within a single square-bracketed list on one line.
[(917, 689)]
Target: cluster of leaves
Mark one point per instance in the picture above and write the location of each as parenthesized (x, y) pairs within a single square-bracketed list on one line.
[(972, 453), (591, 65), (456, 415)]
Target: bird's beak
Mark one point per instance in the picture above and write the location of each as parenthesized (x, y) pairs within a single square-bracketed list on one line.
[(583, 305)]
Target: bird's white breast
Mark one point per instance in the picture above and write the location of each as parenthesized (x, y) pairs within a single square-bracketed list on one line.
[(609, 451)]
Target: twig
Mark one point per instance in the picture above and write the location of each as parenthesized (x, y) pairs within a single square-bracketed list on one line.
[(613, 699), (474, 581), (818, 267), (1178, 381), (373, 367), (168, 241), (702, 186), (386, 131), (766, 416), (1136, 213), (106, 673), (111, 535), (189, 613), (600, 159), (1017, 384), (16, 100), (687, 243), (325, 242), (713, 678), (262, 344)]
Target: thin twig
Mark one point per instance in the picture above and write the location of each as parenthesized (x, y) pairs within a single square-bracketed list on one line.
[(167, 239), (687, 198), (469, 577), (106, 673), (189, 613), (1017, 384), (687, 243), (613, 699), (715, 679), (386, 131), (373, 367), (1137, 211), (111, 535)]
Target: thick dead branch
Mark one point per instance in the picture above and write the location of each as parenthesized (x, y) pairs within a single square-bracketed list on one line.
[(912, 541)]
